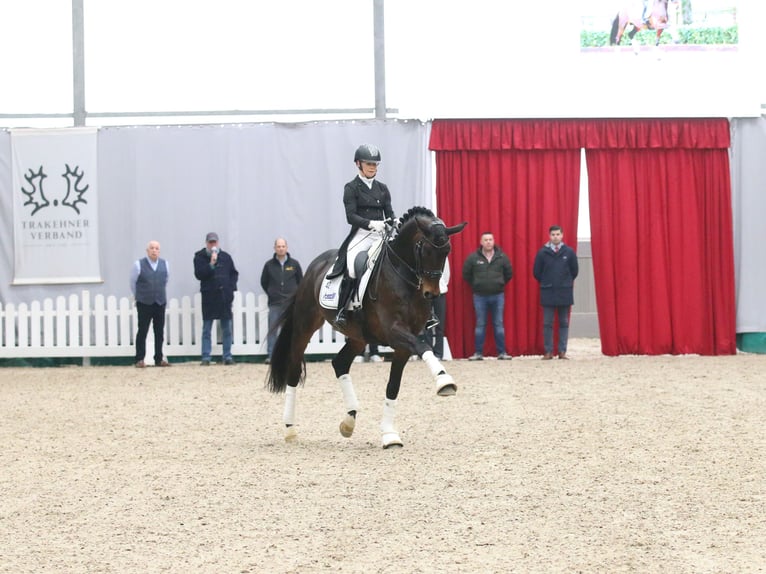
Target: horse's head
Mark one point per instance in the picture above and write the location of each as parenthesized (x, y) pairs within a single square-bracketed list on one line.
[(429, 240)]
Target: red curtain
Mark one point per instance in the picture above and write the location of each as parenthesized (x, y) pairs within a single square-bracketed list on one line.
[(660, 217), (516, 194), (662, 244)]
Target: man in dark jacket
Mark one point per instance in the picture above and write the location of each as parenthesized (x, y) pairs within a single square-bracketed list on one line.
[(487, 270), (556, 269), (279, 279), (218, 281)]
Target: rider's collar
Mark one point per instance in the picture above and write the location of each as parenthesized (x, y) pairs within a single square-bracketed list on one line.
[(367, 181)]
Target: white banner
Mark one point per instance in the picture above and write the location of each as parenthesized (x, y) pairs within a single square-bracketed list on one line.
[(55, 207)]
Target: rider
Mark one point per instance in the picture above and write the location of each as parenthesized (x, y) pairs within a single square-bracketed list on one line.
[(644, 15), (368, 205)]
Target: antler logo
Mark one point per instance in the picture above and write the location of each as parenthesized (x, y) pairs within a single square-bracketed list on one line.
[(36, 195)]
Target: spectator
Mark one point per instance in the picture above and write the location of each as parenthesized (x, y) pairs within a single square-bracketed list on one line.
[(374, 356), (439, 307), (279, 279), (218, 281), (556, 269), (148, 282), (370, 354), (487, 270)]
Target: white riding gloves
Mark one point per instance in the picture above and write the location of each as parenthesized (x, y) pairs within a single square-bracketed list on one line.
[(377, 226)]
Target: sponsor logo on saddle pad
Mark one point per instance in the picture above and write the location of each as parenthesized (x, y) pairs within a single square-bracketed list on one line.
[(328, 293)]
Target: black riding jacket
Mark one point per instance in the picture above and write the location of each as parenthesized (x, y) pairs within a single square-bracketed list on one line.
[(364, 204)]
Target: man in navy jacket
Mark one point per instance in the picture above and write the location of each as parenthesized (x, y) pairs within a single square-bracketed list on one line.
[(218, 281), (556, 269)]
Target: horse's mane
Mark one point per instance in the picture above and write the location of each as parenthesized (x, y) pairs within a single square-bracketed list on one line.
[(438, 233), (414, 211)]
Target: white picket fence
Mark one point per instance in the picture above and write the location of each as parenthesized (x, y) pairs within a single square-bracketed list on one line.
[(104, 326)]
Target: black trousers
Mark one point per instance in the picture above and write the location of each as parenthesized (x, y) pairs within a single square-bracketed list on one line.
[(435, 337), (439, 305), (154, 314)]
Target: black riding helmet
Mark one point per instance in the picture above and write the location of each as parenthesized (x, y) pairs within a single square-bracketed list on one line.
[(367, 152)]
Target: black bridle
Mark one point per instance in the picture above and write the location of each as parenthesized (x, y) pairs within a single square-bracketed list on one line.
[(415, 274)]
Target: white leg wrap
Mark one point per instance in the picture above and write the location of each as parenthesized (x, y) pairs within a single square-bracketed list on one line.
[(432, 362), (288, 417), (349, 395), (443, 379), (387, 427)]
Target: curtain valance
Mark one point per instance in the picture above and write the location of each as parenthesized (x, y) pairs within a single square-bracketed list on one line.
[(538, 134)]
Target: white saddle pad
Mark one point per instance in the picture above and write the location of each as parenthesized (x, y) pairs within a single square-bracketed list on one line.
[(330, 290)]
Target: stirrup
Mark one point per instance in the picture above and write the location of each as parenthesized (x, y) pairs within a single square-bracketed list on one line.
[(432, 322), (341, 320)]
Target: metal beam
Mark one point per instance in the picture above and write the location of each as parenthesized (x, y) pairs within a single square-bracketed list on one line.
[(380, 59), (78, 63)]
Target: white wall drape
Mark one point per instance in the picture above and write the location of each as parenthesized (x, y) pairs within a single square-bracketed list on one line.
[(250, 183), (748, 186)]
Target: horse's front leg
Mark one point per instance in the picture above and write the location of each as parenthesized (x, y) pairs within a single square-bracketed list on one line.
[(342, 365), (445, 384)]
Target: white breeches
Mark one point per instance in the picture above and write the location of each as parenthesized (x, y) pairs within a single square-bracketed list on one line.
[(362, 241)]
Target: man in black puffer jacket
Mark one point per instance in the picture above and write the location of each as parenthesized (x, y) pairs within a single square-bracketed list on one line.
[(487, 270)]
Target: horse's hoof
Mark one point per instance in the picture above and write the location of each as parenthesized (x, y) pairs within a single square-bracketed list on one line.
[(290, 434), (447, 390), (347, 426), (445, 385), (392, 439)]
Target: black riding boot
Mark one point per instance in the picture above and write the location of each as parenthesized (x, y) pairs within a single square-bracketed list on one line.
[(341, 320)]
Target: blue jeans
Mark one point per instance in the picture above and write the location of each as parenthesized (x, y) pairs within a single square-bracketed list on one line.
[(207, 325), (548, 314), (493, 304)]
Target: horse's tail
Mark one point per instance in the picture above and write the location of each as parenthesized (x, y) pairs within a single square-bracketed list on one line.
[(279, 370), (615, 28)]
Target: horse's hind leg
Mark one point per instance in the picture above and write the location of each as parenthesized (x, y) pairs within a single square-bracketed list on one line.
[(342, 364), (288, 416)]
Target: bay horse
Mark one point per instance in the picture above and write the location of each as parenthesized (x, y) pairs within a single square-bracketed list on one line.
[(395, 308), (633, 14)]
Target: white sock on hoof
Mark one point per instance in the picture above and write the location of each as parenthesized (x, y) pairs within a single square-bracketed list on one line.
[(288, 417), (389, 414), (432, 362), (349, 395), (444, 380), (390, 436)]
